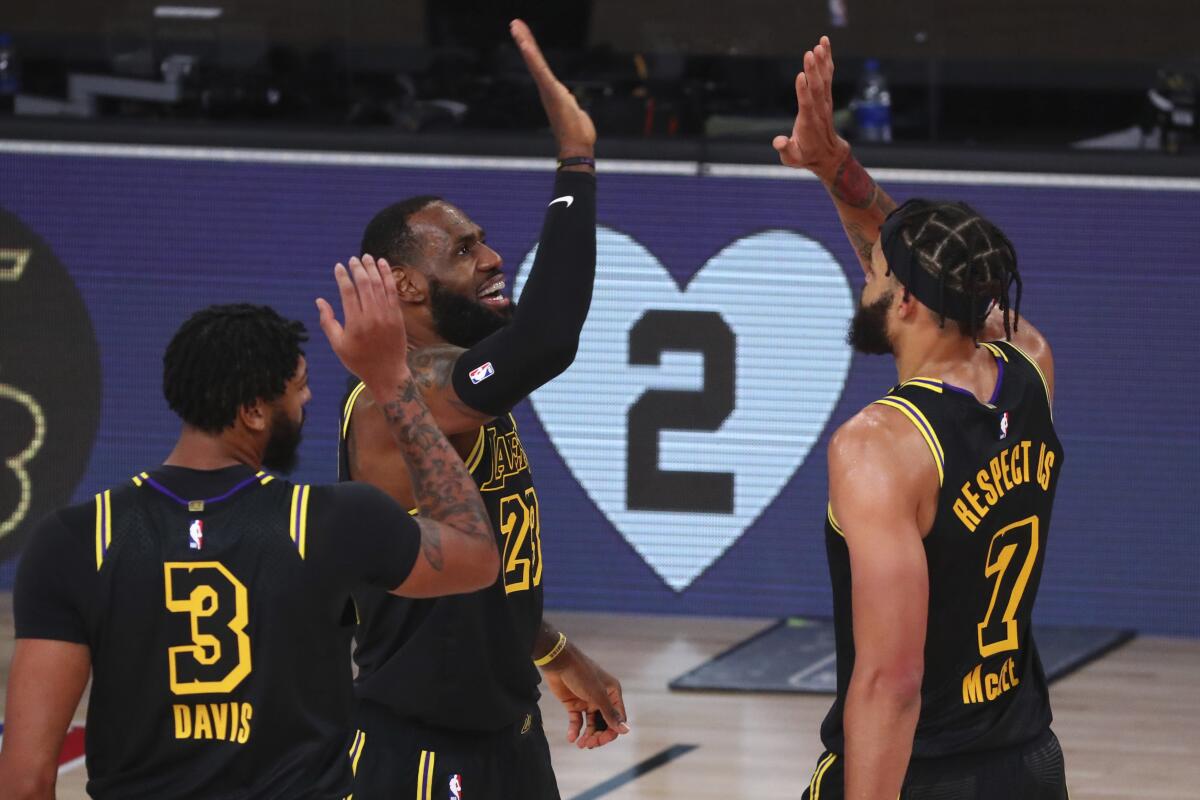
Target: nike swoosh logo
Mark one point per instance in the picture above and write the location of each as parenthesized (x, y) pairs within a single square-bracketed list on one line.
[(566, 200)]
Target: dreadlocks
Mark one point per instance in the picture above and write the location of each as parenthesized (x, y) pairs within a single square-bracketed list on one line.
[(971, 262), (226, 357)]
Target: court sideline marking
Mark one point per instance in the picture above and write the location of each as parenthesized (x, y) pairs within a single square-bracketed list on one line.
[(636, 771)]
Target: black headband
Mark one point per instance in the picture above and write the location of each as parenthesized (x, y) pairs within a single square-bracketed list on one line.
[(930, 290)]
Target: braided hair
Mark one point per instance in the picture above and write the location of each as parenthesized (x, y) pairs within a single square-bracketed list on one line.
[(226, 357), (966, 254)]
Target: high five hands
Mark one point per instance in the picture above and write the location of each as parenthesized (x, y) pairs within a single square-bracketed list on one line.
[(572, 127), (814, 144)]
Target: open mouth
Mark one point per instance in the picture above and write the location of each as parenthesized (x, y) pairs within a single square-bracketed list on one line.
[(492, 292)]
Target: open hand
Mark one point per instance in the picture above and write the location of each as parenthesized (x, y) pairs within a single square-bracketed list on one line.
[(372, 343), (573, 128), (814, 144), (584, 688)]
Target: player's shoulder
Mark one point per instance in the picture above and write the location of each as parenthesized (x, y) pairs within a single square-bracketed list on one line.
[(349, 497), (873, 427), (878, 436)]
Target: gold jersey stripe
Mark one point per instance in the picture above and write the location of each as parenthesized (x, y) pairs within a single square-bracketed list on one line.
[(346, 409), (833, 521), (476, 452), (1042, 375), (921, 423), (814, 783), (932, 384), (298, 517), (103, 526), (996, 351)]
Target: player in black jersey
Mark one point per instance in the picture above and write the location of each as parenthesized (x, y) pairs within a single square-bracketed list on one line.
[(448, 688), (210, 600), (940, 500)]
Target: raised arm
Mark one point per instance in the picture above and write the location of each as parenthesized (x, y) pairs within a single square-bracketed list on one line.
[(457, 545), (814, 145)]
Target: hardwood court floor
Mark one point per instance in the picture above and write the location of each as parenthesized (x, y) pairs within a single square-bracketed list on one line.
[(1129, 723)]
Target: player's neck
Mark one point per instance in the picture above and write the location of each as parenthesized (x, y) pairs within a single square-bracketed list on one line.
[(200, 450), (933, 353)]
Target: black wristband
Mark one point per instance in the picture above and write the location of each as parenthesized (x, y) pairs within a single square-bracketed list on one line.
[(577, 161)]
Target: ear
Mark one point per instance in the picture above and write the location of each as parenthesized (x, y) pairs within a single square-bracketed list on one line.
[(411, 284), (255, 417), (906, 305)]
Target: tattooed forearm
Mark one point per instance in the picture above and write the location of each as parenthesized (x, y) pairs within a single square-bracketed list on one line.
[(853, 186), (441, 485), (861, 242), (431, 543), (861, 204)]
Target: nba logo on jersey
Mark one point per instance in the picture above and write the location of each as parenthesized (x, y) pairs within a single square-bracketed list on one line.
[(196, 535), (1004, 426), (482, 372), (456, 787)]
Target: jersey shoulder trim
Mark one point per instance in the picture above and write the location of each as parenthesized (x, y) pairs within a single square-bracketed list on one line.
[(298, 517), (476, 454), (103, 526), (833, 520), (932, 384), (1000, 347), (349, 406), (921, 422)]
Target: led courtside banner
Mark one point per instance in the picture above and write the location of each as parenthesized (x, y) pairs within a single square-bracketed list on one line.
[(680, 462)]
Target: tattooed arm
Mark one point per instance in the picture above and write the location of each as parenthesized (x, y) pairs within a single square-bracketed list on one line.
[(814, 145), (457, 545)]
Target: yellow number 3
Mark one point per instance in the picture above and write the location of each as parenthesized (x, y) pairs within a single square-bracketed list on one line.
[(218, 659)]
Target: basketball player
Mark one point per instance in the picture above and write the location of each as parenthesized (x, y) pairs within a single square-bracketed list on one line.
[(209, 600), (940, 496), (448, 688)]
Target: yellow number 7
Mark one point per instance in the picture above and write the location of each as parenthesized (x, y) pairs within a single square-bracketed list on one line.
[(1009, 543)]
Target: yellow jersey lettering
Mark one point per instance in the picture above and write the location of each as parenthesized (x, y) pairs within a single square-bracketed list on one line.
[(183, 721), (989, 492), (973, 499), (984, 687), (1001, 474), (220, 718), (1045, 465), (228, 722), (203, 723), (965, 515), (508, 459), (244, 733)]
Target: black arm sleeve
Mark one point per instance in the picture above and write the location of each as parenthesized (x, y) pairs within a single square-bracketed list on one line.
[(54, 581), (366, 537), (541, 340)]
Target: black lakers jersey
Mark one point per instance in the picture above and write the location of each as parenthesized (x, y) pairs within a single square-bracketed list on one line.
[(998, 465), (219, 628), (463, 662)]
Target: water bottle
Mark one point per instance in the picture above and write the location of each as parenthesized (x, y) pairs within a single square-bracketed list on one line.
[(872, 105), (9, 82)]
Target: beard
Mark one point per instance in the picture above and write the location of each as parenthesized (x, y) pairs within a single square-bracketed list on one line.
[(868, 329), (283, 443), (462, 321)]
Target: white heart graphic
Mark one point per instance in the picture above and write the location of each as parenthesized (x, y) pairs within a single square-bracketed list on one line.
[(787, 302)]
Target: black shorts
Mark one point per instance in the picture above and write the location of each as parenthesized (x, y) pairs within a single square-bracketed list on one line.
[(1032, 771), (401, 759)]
